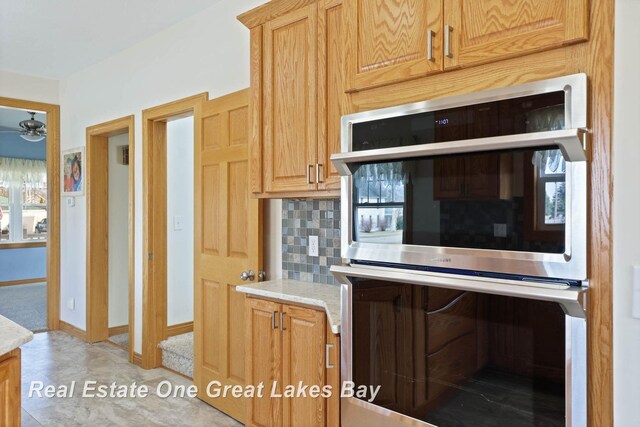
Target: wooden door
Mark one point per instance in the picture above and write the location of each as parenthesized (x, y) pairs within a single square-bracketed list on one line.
[(487, 30), (289, 105), (227, 242), (10, 411), (303, 361), (264, 361), (388, 40), (332, 100)]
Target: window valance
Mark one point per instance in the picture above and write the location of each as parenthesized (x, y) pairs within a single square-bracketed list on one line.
[(31, 172)]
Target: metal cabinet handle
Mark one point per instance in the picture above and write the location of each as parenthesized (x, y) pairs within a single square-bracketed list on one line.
[(319, 173), (273, 319), (447, 41), (309, 176), (282, 328), (328, 349), (262, 275), (430, 45), (247, 275)]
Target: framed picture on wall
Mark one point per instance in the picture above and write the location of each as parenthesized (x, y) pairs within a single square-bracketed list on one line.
[(72, 172)]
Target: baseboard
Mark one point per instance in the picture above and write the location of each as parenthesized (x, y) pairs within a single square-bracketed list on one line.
[(23, 282), (137, 359), (118, 330), (179, 329), (72, 330)]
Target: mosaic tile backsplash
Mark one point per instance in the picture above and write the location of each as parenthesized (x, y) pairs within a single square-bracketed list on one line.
[(304, 218)]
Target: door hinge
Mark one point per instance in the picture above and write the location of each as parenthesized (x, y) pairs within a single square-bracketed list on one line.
[(150, 256)]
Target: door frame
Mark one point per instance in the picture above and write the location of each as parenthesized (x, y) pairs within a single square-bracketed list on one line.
[(154, 214), (97, 173), (53, 201)]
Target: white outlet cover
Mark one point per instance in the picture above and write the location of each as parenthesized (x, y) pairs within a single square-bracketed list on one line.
[(71, 304), (500, 230), (313, 245)]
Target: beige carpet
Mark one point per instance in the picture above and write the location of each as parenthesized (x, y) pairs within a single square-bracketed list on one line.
[(26, 305)]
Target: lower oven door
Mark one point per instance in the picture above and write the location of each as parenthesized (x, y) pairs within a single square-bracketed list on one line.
[(422, 349)]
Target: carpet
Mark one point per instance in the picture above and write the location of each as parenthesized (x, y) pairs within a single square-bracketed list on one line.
[(177, 353), (121, 340), (26, 305)]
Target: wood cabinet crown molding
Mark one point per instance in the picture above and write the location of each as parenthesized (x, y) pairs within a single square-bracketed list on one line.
[(271, 10)]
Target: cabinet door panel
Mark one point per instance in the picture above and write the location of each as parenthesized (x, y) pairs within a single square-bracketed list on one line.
[(10, 412), (332, 100), (263, 361), (303, 363), (483, 180), (290, 101), (387, 40), (487, 30)]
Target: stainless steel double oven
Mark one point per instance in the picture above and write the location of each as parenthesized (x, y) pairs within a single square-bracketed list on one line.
[(464, 222)]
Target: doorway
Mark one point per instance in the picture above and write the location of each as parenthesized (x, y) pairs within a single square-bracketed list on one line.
[(161, 319), (37, 200), (110, 239)]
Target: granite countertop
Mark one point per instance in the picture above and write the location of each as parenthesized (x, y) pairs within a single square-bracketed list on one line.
[(12, 335), (319, 295)]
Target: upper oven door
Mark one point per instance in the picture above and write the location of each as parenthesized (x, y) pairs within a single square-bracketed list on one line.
[(493, 182)]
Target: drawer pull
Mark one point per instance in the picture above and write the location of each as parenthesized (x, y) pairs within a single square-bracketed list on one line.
[(309, 174), (282, 328), (430, 45), (273, 319)]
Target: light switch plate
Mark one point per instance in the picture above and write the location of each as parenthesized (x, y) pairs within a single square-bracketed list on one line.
[(313, 245), (71, 304), (635, 301), (178, 223)]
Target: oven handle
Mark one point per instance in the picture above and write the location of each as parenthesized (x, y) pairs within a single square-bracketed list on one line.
[(572, 299), (572, 143)]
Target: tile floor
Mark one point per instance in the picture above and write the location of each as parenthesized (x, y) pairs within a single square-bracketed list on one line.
[(58, 358)]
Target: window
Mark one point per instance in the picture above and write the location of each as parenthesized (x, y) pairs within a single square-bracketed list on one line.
[(23, 200), (550, 190)]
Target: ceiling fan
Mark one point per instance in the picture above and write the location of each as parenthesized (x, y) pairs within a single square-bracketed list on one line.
[(31, 130)]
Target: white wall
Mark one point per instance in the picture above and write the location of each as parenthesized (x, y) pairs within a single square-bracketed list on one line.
[(626, 213), (207, 52), (29, 88), (180, 204), (118, 235)]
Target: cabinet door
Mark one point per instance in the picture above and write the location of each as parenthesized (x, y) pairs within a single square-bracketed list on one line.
[(332, 100), (448, 180), (263, 361), (486, 30), (388, 40), (10, 412), (289, 107), (483, 176), (303, 362)]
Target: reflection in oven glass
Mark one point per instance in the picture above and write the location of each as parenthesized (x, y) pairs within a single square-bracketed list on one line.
[(455, 358)]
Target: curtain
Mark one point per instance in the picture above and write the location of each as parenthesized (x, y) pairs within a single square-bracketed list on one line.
[(31, 172)]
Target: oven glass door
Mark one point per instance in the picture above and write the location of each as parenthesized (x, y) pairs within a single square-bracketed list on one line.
[(454, 358)]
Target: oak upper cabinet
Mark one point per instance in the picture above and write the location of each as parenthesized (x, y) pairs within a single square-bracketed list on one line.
[(392, 40), (289, 98), (288, 345), (298, 96), (486, 30)]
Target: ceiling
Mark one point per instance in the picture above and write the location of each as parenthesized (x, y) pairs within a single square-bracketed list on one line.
[(56, 38)]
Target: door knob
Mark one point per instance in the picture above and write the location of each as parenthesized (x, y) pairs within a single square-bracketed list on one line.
[(247, 275), (262, 275)]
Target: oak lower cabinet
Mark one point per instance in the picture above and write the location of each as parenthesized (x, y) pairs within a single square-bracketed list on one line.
[(290, 345), (10, 407), (297, 98)]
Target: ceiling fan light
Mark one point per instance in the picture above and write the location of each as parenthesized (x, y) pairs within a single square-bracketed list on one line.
[(32, 138)]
